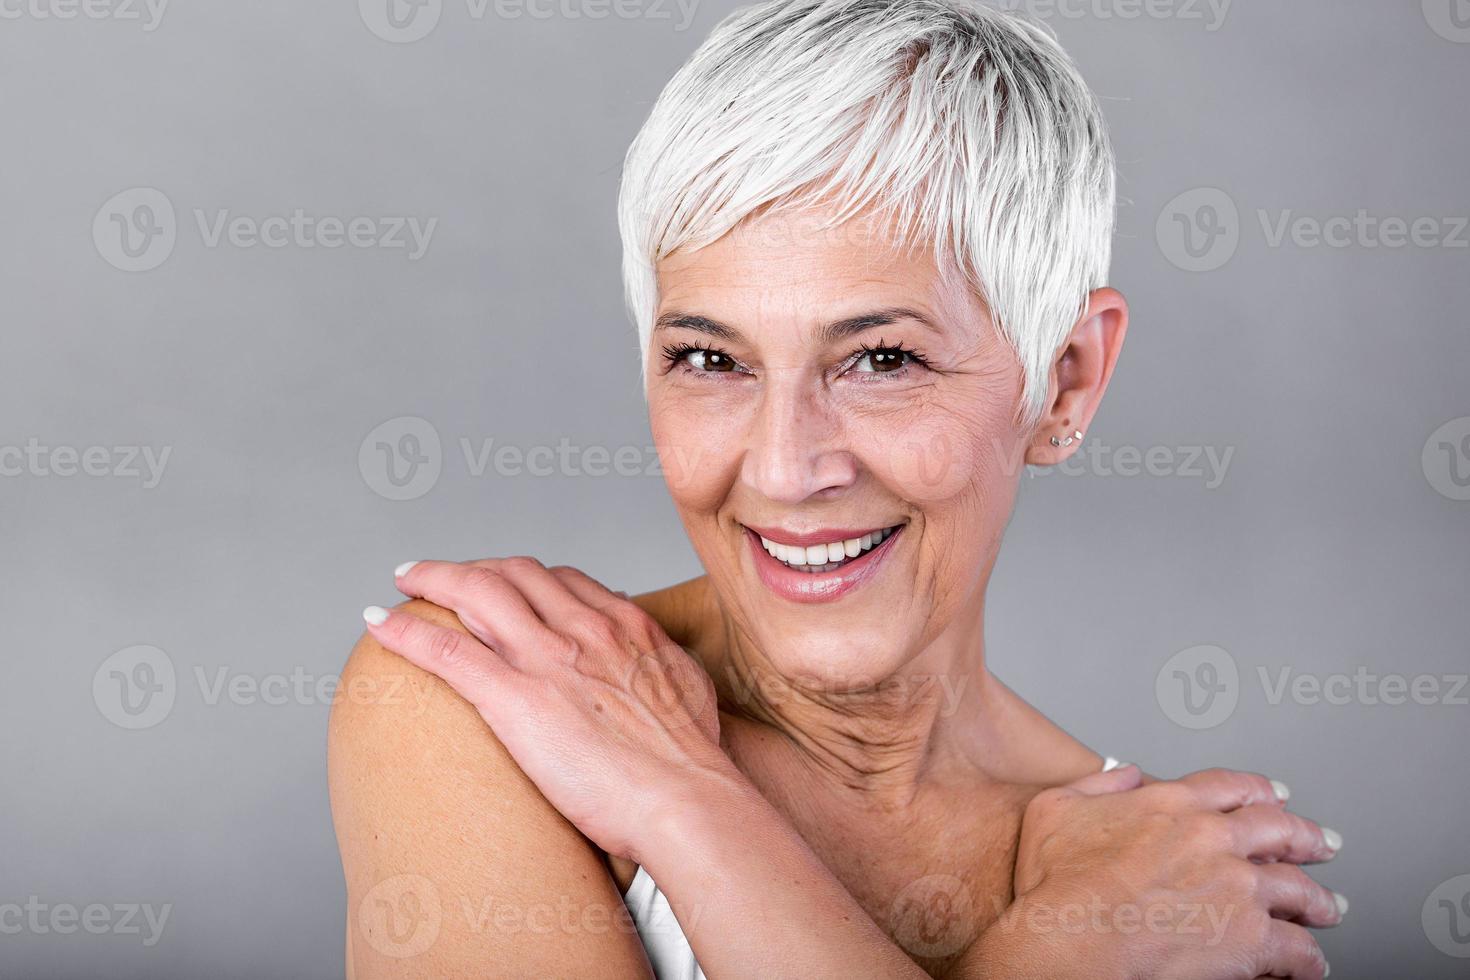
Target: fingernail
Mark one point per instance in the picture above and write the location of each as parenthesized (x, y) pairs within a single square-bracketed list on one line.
[(1332, 839), (402, 570), (1282, 791), (1326, 969), (375, 615), (1342, 904)]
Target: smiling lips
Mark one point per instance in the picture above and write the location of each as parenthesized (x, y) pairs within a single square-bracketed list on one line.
[(819, 566), (827, 556)]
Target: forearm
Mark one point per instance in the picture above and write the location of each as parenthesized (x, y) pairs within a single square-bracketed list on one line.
[(754, 900), (1014, 946)]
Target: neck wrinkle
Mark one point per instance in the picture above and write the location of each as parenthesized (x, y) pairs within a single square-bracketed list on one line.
[(882, 742)]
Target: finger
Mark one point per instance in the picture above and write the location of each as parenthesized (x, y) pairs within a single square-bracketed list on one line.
[(1290, 951), (1291, 894), (1227, 789), (474, 670), (490, 605), (1266, 832), (547, 595), (588, 589), (1113, 781)]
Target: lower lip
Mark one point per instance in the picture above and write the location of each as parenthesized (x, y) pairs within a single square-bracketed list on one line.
[(797, 586)]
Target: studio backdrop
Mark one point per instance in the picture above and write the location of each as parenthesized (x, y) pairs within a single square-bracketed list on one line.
[(293, 292)]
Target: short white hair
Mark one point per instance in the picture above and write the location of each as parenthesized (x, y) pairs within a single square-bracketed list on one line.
[(968, 125)]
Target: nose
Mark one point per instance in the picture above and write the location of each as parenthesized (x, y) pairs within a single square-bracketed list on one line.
[(796, 447)]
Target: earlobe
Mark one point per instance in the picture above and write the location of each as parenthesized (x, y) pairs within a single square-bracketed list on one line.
[(1079, 377)]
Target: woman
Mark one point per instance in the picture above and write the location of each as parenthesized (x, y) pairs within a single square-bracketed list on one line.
[(865, 246)]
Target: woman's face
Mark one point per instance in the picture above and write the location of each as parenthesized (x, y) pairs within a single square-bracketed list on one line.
[(820, 389)]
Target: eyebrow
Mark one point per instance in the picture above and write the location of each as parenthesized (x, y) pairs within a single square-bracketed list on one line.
[(827, 333)]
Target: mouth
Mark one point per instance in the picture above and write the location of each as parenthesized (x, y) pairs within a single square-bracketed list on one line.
[(822, 565), (827, 556)]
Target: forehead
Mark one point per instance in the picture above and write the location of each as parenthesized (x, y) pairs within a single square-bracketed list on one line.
[(798, 265)]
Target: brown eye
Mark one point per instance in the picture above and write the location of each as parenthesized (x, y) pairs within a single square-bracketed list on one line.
[(881, 360), (710, 360)]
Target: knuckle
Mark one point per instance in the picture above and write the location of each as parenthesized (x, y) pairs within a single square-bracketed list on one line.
[(522, 563), (481, 577), (1207, 831), (600, 631), (631, 616), (1243, 878), (1254, 785), (1257, 930), (1046, 802), (445, 646), (1169, 795)]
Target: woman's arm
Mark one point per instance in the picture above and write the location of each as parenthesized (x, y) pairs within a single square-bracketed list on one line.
[(621, 741), (455, 864)]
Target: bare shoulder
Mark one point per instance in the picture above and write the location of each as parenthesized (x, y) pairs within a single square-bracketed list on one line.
[(455, 863)]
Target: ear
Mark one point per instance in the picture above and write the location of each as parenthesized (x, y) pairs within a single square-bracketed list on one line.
[(1079, 376)]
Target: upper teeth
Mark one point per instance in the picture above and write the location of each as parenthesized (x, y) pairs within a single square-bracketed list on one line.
[(822, 554)]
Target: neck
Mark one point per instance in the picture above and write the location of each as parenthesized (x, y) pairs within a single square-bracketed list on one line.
[(884, 740)]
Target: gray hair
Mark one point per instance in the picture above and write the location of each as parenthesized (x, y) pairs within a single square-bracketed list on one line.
[(968, 125)]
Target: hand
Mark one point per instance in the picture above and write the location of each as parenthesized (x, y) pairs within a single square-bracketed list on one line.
[(1189, 878), (604, 713)]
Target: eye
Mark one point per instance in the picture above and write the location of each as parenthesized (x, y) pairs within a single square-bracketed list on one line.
[(706, 360), (885, 359)]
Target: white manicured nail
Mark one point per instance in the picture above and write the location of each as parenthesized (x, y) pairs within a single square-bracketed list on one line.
[(1332, 839), (1282, 791), (402, 570), (1342, 904), (375, 615)]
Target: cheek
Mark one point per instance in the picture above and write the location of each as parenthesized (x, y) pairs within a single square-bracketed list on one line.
[(696, 455), (934, 455)]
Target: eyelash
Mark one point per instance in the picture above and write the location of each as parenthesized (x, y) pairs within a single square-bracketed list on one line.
[(675, 355)]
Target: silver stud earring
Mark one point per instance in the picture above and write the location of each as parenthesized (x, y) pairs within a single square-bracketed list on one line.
[(1074, 437)]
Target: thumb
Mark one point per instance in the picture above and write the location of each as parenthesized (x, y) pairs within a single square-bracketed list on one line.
[(1115, 780)]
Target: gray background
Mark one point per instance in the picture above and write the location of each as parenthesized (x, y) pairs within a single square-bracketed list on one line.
[(1327, 547)]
